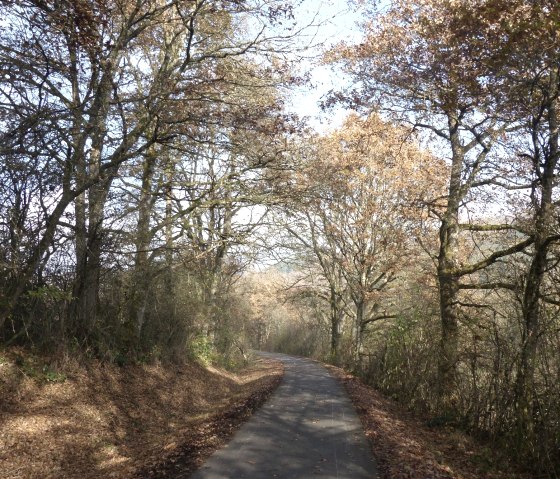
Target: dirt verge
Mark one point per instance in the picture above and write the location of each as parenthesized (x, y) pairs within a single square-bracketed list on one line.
[(107, 421), (406, 448)]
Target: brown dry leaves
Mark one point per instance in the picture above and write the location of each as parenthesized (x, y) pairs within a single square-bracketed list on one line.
[(405, 448), (136, 421)]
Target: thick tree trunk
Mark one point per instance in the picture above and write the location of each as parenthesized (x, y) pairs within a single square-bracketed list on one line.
[(529, 346), (88, 261), (449, 341), (168, 193), (448, 280), (81, 247), (80, 172), (531, 329)]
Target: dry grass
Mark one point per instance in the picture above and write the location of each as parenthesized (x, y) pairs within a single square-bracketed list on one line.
[(406, 448), (112, 422)]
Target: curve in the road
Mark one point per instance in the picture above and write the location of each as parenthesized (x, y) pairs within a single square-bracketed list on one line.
[(307, 429)]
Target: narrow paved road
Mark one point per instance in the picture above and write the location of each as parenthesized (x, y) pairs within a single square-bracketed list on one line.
[(307, 429)]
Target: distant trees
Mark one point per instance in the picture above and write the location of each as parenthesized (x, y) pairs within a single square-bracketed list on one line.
[(362, 204)]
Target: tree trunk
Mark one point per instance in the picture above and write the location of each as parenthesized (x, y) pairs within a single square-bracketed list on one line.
[(531, 329), (88, 269), (168, 194), (448, 280), (449, 341), (544, 219), (86, 287), (335, 327), (141, 277), (360, 327)]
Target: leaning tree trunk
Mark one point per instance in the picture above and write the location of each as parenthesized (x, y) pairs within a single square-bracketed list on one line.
[(544, 219)]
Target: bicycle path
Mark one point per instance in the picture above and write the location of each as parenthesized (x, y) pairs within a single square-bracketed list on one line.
[(308, 428)]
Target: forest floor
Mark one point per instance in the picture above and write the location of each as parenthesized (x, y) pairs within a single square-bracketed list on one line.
[(405, 447), (70, 421)]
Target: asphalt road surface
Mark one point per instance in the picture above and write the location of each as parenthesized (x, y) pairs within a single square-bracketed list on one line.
[(307, 429)]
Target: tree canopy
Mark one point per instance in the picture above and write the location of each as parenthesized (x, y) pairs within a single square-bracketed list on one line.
[(159, 198)]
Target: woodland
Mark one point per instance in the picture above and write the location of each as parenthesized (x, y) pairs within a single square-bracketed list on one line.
[(159, 201)]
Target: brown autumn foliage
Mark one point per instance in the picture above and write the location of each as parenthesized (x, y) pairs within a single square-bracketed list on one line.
[(481, 77), (364, 191), (133, 133)]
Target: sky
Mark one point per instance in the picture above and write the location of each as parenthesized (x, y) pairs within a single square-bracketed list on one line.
[(335, 22)]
